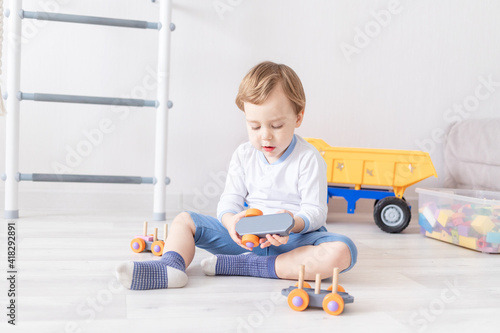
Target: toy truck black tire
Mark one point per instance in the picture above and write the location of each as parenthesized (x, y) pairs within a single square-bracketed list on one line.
[(377, 200), (392, 214)]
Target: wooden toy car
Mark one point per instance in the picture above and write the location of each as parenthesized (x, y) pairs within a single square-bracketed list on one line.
[(331, 300), (255, 225), (395, 169), (149, 242)]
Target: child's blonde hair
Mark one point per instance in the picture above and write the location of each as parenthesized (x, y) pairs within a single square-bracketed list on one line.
[(261, 80)]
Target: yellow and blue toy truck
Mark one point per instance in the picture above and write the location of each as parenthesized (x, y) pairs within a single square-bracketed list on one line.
[(362, 173)]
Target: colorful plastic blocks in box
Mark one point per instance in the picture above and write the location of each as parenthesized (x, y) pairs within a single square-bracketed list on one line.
[(472, 225)]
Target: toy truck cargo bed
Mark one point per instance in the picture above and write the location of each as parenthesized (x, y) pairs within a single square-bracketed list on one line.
[(398, 169)]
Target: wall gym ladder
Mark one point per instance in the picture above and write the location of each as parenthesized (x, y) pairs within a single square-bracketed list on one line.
[(14, 96)]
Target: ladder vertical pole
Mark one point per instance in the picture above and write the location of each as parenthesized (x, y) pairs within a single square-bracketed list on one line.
[(13, 43), (162, 110)]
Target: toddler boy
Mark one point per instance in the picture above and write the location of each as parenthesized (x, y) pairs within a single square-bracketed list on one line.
[(276, 171)]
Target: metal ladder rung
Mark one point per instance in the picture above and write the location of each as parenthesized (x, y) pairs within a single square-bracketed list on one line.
[(38, 97), (65, 178), (69, 18)]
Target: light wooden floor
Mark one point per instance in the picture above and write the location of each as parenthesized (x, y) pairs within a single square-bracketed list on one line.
[(402, 283)]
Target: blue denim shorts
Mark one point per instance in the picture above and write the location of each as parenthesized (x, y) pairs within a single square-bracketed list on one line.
[(212, 236)]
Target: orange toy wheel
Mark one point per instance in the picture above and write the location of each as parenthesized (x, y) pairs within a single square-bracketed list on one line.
[(339, 288), (298, 300), (306, 285), (157, 248), (333, 304), (253, 212), (250, 241), (137, 245)]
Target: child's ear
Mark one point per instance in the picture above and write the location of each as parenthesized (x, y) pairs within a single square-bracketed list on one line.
[(300, 117)]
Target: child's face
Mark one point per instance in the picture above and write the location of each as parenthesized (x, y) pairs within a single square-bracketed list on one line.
[(271, 124)]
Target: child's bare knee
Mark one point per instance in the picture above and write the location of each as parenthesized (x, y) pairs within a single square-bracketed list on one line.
[(342, 256), (339, 255), (184, 218)]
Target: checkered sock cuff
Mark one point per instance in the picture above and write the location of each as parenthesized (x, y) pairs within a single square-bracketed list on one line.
[(174, 259), (246, 265)]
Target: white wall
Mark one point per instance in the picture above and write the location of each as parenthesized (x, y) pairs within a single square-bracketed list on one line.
[(397, 90)]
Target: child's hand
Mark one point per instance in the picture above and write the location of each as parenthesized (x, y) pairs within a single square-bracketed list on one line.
[(230, 223), (275, 240), (299, 222), (285, 211)]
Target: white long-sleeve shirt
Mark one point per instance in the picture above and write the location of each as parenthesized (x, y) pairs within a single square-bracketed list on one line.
[(296, 182)]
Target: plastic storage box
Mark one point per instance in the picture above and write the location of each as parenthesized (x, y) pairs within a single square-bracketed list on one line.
[(468, 218)]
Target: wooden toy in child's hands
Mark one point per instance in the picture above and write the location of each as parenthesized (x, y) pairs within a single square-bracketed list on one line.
[(331, 300), (149, 242), (254, 226)]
